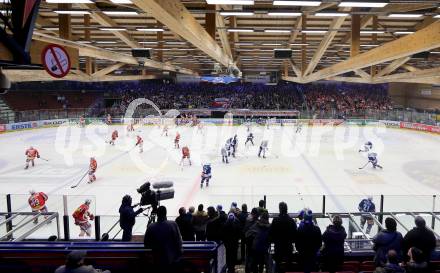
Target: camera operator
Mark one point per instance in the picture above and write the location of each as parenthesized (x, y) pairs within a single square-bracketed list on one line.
[(127, 217), (148, 197)]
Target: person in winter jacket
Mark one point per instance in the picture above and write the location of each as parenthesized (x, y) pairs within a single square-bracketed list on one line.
[(308, 242), (214, 226), (283, 235), (332, 253), (231, 236), (386, 240), (185, 226), (261, 244), (416, 263), (392, 264), (249, 237), (127, 217), (199, 220), (421, 238), (165, 241)]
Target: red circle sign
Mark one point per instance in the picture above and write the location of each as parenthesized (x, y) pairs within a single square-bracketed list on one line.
[(56, 61)]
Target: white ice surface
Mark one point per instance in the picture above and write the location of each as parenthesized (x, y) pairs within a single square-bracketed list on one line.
[(411, 162)]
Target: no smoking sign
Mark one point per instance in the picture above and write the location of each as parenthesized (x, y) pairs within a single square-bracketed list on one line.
[(56, 61)]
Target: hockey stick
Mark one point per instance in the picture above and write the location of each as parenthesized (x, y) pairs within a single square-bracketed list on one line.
[(76, 185), (43, 159), (360, 168)]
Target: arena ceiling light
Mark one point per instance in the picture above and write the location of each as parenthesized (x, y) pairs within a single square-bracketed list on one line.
[(313, 31), (296, 3), (148, 43), (230, 2), (277, 31), (244, 43), (121, 1), (175, 43), (372, 32), (405, 15), (106, 42), (236, 13), (437, 16), (120, 12), (403, 32), (72, 12), (363, 4), (271, 44), (69, 1), (299, 44), (113, 28), (332, 14), (284, 14), (150, 29), (369, 45), (240, 30)]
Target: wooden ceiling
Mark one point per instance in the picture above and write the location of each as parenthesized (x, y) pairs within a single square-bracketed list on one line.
[(186, 45)]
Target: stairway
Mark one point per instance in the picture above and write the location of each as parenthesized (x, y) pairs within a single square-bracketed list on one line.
[(6, 113)]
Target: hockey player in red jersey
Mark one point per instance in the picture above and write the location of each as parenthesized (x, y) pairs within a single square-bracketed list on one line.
[(140, 143), (130, 127), (82, 216), (176, 141), (37, 202), (82, 122), (185, 154), (92, 169), (31, 154), (114, 137)]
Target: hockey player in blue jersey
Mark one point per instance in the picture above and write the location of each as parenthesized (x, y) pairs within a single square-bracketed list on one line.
[(206, 175), (372, 158), (263, 148), (367, 206), (224, 152), (228, 146), (298, 128), (367, 147), (234, 144), (250, 138)]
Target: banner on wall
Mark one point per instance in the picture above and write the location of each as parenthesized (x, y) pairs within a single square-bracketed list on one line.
[(420, 127)]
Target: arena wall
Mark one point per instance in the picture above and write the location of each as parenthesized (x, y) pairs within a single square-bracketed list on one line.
[(412, 95)]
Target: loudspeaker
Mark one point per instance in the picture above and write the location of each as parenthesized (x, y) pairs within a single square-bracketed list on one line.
[(141, 53), (282, 53)]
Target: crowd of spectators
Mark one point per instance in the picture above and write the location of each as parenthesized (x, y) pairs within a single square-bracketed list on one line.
[(248, 238)]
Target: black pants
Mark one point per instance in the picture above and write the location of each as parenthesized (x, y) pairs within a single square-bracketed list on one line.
[(200, 236), (127, 234)]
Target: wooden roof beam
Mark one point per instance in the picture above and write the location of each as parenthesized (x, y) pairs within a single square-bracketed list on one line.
[(99, 53), (223, 34), (106, 21), (326, 41), (392, 66), (179, 20), (108, 69), (422, 40)]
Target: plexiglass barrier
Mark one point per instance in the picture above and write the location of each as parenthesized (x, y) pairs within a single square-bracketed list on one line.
[(403, 208)]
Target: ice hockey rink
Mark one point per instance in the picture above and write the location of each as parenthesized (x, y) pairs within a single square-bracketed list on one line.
[(299, 167)]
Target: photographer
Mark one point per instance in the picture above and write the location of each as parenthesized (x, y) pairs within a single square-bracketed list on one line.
[(148, 197), (127, 217)]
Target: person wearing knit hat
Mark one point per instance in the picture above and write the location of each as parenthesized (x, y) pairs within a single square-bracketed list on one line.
[(308, 242)]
